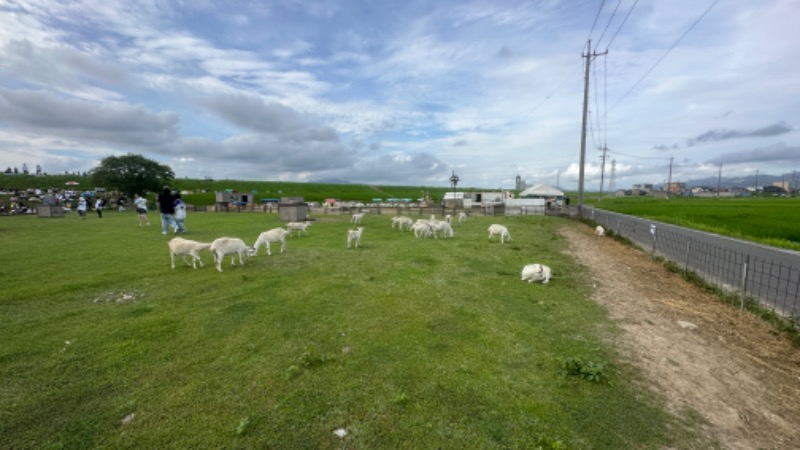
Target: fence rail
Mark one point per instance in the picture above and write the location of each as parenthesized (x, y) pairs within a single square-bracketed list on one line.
[(767, 274)]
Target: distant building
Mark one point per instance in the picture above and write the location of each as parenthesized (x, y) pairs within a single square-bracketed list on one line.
[(521, 184), (643, 187)]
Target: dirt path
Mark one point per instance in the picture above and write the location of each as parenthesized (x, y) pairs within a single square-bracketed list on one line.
[(700, 354)]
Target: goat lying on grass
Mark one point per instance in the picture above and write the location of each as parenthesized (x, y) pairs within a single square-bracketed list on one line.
[(536, 272), (501, 231), (273, 235), (230, 246), (300, 227), (354, 236), (185, 247)]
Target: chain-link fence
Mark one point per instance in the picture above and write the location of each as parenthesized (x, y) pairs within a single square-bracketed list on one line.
[(767, 274)]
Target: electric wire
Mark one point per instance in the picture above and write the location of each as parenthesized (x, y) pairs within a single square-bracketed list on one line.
[(675, 44), (622, 24), (610, 19), (599, 10)]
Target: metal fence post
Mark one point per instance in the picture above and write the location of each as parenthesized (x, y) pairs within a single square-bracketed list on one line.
[(744, 279)]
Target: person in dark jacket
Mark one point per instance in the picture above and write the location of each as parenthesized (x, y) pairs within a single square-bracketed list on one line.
[(166, 206)]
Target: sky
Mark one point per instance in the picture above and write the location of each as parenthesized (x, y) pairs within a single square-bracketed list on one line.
[(405, 92)]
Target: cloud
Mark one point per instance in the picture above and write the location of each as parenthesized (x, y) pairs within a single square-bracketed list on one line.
[(722, 135), (771, 154), (113, 123)]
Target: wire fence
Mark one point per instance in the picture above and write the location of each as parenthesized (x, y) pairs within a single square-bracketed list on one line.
[(766, 274)]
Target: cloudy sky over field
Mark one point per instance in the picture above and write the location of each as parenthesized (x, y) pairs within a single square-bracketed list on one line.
[(403, 92)]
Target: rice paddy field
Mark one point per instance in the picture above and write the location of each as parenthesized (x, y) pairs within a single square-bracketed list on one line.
[(769, 220)]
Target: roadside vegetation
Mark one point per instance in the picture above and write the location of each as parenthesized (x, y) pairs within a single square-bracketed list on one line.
[(402, 343)]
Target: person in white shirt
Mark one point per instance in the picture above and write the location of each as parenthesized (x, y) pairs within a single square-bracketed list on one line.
[(180, 214), (141, 208)]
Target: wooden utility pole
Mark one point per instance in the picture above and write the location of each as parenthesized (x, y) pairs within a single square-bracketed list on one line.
[(589, 55)]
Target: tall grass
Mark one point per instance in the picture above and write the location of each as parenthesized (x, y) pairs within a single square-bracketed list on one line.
[(402, 343)]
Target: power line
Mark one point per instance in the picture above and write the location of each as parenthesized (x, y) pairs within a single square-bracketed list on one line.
[(610, 19), (620, 25), (664, 55), (595, 20)]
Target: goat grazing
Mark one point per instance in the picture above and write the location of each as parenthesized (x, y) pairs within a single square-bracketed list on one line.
[(536, 272), (273, 235), (600, 231), (402, 223), (354, 236), (443, 227), (300, 227), (501, 231), (462, 217), (185, 247), (230, 246), (356, 219), (422, 228)]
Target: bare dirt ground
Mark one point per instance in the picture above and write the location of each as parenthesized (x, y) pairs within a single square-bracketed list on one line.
[(699, 353)]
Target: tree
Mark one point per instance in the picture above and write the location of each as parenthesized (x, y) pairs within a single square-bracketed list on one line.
[(131, 174)]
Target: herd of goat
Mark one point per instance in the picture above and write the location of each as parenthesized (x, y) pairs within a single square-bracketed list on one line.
[(236, 247)]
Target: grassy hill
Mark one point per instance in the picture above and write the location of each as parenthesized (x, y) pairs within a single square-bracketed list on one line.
[(203, 190)]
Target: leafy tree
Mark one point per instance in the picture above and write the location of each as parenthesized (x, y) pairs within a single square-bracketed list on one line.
[(131, 174)]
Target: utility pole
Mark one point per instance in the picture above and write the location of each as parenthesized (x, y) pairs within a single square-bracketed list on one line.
[(589, 55), (611, 179), (756, 181), (602, 169), (719, 180), (669, 182)]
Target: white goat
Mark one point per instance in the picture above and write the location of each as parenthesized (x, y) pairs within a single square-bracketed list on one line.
[(273, 235), (448, 218), (422, 228), (462, 217), (536, 272), (354, 236), (402, 223), (300, 227), (230, 246), (443, 227), (356, 219), (185, 247), (600, 231), (499, 230)]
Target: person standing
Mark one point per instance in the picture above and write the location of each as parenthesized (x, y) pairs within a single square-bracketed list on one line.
[(141, 208), (98, 206), (166, 206), (82, 206), (180, 214)]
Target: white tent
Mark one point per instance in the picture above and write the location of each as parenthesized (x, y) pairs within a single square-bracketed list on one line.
[(541, 191)]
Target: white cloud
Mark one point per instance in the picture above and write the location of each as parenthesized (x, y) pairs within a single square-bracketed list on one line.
[(401, 93)]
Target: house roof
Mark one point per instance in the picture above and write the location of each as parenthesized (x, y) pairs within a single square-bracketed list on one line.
[(541, 190)]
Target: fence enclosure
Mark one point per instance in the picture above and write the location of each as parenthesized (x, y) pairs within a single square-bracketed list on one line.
[(767, 274)]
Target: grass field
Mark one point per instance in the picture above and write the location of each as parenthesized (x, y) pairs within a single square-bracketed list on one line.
[(769, 220), (402, 343)]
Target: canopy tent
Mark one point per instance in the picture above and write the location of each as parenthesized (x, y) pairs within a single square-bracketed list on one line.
[(541, 191)]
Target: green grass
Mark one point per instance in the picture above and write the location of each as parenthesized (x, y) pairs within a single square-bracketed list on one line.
[(769, 220), (404, 343)]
